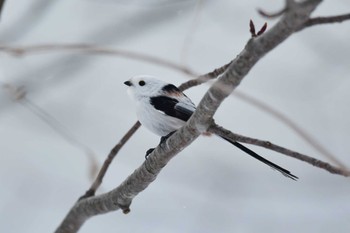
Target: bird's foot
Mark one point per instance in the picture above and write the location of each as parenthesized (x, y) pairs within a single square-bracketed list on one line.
[(149, 151), (164, 138)]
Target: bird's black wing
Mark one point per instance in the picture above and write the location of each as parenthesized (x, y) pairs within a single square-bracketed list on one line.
[(171, 107)]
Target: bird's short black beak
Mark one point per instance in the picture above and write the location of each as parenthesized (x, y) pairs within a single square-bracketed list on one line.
[(128, 83)]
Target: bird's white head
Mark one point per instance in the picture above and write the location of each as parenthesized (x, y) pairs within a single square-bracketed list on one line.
[(144, 86)]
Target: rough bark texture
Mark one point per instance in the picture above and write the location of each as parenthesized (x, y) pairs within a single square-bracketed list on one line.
[(295, 16)]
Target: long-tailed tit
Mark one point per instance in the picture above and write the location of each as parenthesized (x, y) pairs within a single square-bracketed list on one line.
[(163, 108)]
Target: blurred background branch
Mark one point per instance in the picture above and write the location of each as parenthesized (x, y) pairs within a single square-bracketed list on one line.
[(27, 21), (1, 6), (19, 95)]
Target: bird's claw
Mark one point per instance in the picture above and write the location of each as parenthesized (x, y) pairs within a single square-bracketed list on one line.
[(162, 140), (149, 151)]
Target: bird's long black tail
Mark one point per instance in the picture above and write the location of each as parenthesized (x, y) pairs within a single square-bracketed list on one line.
[(262, 159)]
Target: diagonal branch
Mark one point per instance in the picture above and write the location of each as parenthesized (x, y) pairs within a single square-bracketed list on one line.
[(19, 94), (98, 181), (220, 131), (204, 78), (201, 120)]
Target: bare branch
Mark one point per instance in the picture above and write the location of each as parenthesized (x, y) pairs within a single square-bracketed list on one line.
[(289, 4), (310, 22), (204, 78), (93, 49), (325, 20), (271, 15), (19, 94), (121, 197), (108, 161), (200, 121), (220, 131)]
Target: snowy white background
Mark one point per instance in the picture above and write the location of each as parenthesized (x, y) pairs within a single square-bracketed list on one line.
[(210, 186)]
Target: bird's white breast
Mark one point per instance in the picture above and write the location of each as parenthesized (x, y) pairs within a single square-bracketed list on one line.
[(156, 121)]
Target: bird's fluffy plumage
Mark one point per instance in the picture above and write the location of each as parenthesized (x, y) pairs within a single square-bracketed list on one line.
[(161, 107)]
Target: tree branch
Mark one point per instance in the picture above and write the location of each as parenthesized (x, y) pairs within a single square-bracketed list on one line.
[(121, 197), (220, 131), (19, 95), (98, 181), (204, 78), (200, 121), (325, 20), (93, 49)]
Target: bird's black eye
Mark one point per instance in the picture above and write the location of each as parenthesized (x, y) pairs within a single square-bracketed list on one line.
[(142, 83)]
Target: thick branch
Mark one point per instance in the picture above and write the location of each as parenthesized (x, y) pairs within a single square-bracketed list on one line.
[(218, 130), (121, 197), (200, 121)]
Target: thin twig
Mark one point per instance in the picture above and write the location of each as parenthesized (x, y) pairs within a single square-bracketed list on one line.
[(19, 95), (220, 131), (204, 78), (325, 20), (98, 181), (271, 15), (94, 49), (289, 4), (64, 132)]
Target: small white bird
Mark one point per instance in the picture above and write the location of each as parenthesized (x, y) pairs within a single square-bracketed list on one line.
[(162, 108)]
